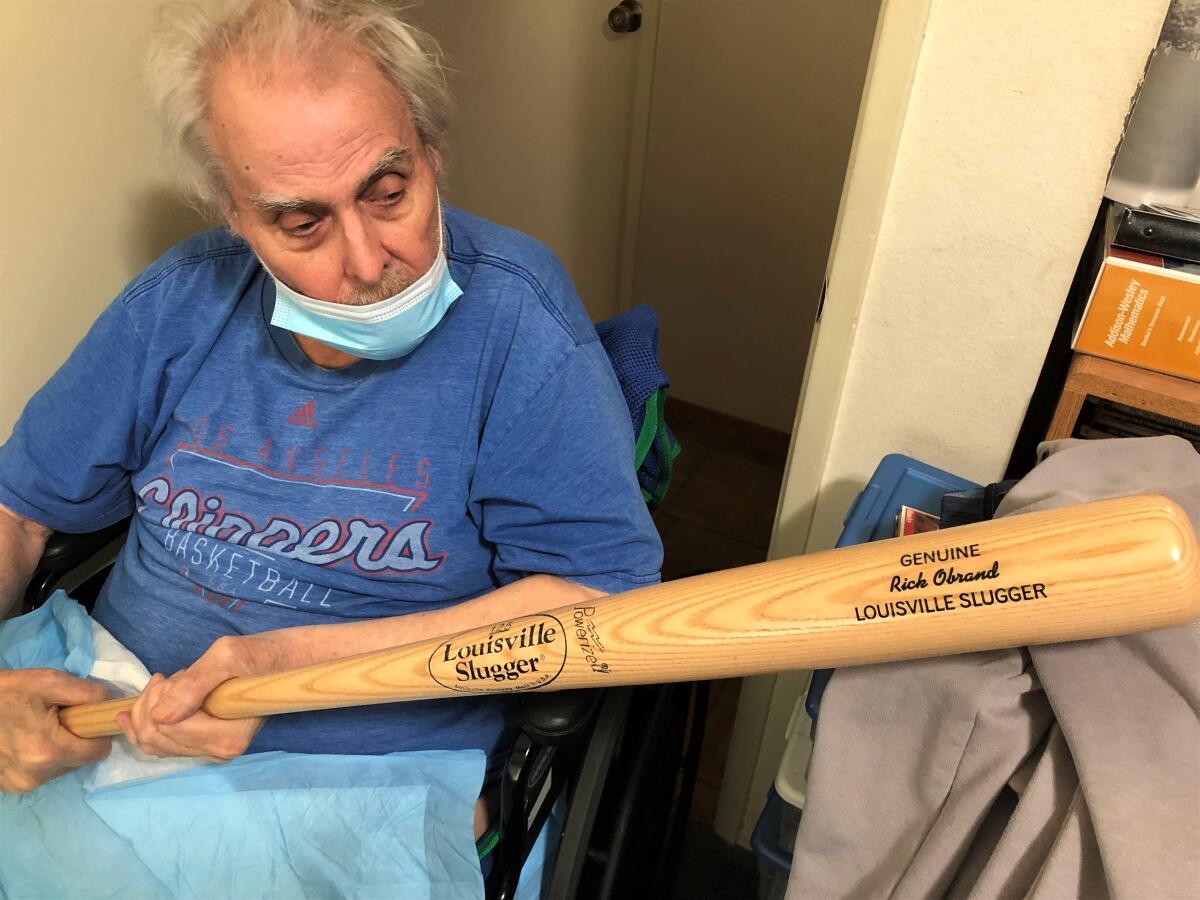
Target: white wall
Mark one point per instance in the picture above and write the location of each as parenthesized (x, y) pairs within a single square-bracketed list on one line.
[(85, 201), (935, 328), (1016, 112)]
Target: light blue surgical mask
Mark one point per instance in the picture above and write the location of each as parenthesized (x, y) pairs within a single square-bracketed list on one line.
[(386, 329)]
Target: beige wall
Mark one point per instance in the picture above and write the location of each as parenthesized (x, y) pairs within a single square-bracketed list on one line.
[(550, 103), (752, 113), (84, 199)]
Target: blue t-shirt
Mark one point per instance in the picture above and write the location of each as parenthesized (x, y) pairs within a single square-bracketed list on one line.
[(270, 492)]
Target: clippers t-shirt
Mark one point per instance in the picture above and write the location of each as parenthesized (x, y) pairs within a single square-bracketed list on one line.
[(268, 492)]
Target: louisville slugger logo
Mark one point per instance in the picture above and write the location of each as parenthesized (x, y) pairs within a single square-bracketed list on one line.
[(512, 656)]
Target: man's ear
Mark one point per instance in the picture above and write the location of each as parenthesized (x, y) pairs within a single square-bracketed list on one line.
[(228, 212)]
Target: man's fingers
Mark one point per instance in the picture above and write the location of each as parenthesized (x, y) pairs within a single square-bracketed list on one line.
[(140, 727), (133, 721), (18, 781), (184, 739), (60, 689), (75, 752), (149, 741), (203, 735), (182, 695), (125, 723), (174, 740), (34, 746), (227, 658)]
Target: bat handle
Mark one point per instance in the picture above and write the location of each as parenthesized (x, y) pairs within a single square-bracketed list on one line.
[(93, 720)]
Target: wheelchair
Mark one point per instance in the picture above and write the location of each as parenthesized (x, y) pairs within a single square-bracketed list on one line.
[(622, 760)]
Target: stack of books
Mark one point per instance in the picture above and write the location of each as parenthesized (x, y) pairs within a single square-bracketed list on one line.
[(1144, 309), (1102, 418)]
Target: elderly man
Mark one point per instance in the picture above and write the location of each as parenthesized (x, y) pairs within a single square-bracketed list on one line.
[(352, 419)]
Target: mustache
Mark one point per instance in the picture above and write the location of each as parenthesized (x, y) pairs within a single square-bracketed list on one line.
[(392, 283)]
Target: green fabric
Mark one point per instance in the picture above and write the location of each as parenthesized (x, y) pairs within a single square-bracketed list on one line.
[(667, 451), (488, 842), (649, 430), (654, 433)]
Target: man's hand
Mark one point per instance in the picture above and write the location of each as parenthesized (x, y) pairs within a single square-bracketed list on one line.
[(167, 720), (34, 747)]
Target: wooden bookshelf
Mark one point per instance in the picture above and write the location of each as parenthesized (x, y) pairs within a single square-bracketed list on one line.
[(1154, 392)]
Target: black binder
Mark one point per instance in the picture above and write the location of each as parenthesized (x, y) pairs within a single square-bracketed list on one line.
[(1163, 235)]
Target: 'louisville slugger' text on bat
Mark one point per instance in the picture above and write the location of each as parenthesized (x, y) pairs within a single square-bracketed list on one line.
[(1095, 570)]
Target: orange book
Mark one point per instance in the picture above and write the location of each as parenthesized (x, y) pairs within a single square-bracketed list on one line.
[(1144, 311)]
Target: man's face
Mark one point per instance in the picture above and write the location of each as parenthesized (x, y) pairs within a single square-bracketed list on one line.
[(330, 183)]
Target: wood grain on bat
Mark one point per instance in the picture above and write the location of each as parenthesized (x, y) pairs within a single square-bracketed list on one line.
[(1098, 569)]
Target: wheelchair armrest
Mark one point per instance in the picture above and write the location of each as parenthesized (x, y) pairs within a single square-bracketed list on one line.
[(544, 762), (66, 551), (69, 560), (557, 717)]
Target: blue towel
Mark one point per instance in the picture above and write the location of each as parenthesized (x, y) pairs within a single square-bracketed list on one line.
[(56, 635), (293, 825), (631, 342), (269, 825)]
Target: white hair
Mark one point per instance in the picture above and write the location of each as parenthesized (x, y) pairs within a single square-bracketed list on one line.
[(196, 37)]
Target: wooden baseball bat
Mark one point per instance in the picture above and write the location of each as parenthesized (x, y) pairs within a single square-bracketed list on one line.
[(1095, 570)]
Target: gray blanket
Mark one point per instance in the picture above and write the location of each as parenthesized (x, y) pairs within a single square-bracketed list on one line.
[(1067, 770)]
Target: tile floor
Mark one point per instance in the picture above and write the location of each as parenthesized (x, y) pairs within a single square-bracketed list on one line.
[(718, 514)]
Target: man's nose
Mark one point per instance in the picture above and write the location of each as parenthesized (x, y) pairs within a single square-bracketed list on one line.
[(363, 254)]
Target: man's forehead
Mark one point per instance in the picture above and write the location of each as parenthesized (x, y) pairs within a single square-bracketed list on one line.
[(276, 136), (295, 91), (329, 60)]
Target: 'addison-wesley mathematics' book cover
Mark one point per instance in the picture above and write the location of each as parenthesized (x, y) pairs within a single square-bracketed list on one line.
[(1144, 311)]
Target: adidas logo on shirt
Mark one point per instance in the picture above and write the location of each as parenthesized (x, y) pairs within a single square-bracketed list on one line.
[(305, 415)]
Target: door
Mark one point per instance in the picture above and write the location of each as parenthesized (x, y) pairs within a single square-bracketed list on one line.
[(550, 125), (753, 111)]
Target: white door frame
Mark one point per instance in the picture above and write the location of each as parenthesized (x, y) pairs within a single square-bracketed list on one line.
[(639, 135), (767, 701)]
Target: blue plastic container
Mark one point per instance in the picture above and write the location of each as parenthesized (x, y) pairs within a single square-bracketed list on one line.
[(898, 481), (774, 863)]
